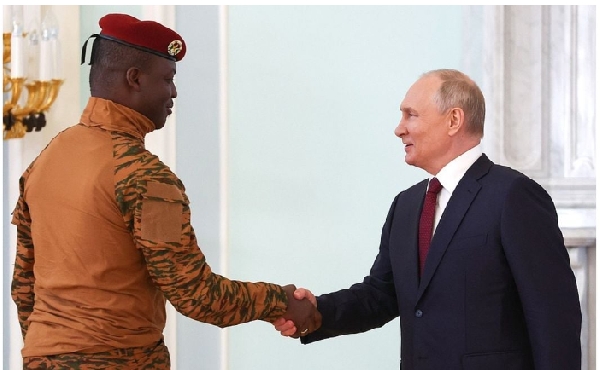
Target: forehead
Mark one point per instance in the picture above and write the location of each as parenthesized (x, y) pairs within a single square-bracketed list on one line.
[(421, 92)]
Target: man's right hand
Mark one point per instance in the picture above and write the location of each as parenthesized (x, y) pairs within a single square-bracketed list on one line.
[(301, 315), (287, 327)]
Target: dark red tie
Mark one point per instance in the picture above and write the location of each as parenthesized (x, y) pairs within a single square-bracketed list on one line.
[(426, 222)]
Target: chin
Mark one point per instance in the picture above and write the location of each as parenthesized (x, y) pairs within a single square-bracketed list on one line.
[(158, 126)]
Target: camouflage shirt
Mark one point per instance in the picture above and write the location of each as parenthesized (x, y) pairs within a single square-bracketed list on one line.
[(104, 236)]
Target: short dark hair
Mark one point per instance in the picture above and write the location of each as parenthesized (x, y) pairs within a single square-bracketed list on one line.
[(109, 58), (460, 91)]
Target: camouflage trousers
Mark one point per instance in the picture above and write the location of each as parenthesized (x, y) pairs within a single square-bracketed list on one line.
[(155, 357)]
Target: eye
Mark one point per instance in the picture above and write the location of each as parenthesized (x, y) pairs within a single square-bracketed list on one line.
[(408, 114)]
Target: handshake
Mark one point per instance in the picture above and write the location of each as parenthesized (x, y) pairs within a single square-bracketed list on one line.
[(302, 316)]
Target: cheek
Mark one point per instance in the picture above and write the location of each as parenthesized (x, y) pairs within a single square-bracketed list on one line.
[(426, 144)]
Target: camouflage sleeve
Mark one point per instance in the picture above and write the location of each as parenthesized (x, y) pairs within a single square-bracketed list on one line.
[(163, 231), (158, 214), (23, 280)]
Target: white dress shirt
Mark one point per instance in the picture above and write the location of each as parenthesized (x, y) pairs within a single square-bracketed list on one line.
[(449, 177)]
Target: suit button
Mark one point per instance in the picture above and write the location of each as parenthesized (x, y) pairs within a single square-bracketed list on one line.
[(418, 313)]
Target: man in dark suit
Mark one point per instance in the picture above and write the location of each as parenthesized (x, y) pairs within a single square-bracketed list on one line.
[(494, 290)]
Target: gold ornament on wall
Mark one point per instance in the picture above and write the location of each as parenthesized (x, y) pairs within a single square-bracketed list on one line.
[(31, 75)]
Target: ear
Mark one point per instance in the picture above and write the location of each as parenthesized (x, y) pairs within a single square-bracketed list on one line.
[(456, 120), (132, 75)]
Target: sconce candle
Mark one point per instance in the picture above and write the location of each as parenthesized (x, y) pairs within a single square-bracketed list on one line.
[(33, 51), (57, 73), (17, 48), (45, 59), (49, 48)]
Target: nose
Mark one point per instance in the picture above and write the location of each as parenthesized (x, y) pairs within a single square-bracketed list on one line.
[(400, 130), (173, 91)]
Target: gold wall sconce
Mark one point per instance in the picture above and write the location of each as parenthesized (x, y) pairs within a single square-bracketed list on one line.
[(32, 73)]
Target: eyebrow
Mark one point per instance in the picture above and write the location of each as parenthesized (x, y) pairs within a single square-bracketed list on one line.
[(407, 109)]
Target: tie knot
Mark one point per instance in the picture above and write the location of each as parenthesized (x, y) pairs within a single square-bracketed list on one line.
[(434, 186)]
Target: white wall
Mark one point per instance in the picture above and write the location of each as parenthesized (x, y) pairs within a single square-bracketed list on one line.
[(314, 95)]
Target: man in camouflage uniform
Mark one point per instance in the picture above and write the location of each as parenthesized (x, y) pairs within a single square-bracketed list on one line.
[(104, 233)]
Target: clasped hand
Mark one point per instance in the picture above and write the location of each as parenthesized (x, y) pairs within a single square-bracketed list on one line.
[(302, 316)]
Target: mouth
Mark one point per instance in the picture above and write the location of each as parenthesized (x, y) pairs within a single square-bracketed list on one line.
[(169, 110)]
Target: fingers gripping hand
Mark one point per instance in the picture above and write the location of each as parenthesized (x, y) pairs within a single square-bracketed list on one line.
[(302, 293), (301, 311), (285, 327)]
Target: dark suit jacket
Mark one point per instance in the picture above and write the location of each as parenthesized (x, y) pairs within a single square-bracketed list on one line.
[(497, 291)]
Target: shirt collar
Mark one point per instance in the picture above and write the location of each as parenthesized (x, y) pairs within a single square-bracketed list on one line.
[(115, 117), (451, 174)]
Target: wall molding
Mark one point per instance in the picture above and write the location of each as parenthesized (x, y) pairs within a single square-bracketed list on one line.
[(539, 83)]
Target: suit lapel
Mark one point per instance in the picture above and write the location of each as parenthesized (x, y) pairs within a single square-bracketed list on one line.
[(455, 211), (406, 224)]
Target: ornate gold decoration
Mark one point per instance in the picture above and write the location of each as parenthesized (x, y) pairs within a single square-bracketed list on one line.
[(27, 98)]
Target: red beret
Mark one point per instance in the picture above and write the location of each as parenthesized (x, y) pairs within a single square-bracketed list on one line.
[(148, 36)]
